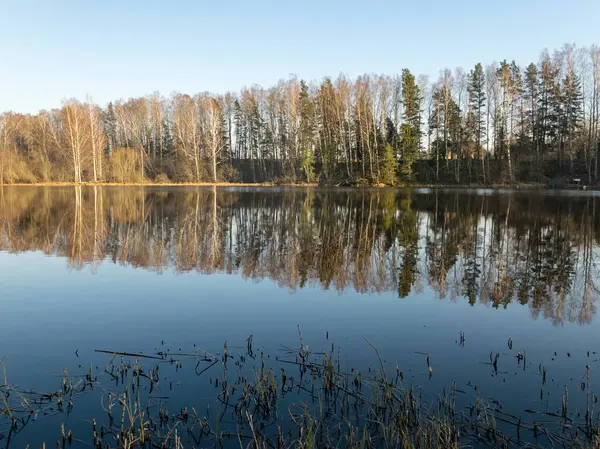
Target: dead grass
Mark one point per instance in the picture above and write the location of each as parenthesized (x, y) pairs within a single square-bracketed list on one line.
[(297, 400)]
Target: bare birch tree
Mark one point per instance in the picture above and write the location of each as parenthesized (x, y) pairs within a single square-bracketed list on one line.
[(97, 140)]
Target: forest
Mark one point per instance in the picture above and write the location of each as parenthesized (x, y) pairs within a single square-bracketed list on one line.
[(501, 123)]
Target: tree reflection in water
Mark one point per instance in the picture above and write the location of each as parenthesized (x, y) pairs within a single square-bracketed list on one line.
[(533, 248)]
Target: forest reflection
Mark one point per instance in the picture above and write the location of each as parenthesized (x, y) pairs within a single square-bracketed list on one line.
[(498, 248)]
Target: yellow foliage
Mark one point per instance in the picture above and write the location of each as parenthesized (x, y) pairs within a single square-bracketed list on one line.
[(126, 165), (14, 169)]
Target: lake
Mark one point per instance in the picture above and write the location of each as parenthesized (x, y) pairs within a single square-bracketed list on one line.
[(489, 294)]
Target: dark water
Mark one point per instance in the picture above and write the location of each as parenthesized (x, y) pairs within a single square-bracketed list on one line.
[(177, 269)]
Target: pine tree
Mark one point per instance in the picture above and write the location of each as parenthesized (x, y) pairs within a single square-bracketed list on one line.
[(476, 90), (518, 111), (531, 94), (410, 130), (307, 116)]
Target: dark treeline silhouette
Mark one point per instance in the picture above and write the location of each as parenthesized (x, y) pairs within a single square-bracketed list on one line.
[(539, 250), (502, 123)]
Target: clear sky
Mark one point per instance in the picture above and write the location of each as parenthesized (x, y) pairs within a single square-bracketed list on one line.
[(57, 49)]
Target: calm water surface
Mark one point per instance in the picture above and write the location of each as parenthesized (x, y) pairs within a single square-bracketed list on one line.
[(176, 269)]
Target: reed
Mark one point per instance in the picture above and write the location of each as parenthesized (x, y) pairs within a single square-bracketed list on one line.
[(296, 400)]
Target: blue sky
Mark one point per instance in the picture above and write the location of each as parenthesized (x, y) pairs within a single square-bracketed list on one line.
[(53, 50)]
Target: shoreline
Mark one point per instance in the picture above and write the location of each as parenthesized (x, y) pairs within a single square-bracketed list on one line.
[(518, 186)]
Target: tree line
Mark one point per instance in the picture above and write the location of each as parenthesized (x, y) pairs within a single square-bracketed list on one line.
[(485, 249), (502, 123)]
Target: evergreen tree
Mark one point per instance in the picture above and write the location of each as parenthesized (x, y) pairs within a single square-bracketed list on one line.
[(531, 94), (571, 109), (518, 109), (410, 130), (408, 227), (548, 107), (476, 90), (307, 132), (110, 126), (388, 165), (328, 129), (167, 140), (509, 78), (240, 130), (445, 121)]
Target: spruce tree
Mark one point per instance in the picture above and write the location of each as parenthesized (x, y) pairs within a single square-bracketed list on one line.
[(571, 102), (110, 125), (548, 107), (240, 130), (167, 140), (388, 164), (410, 130)]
